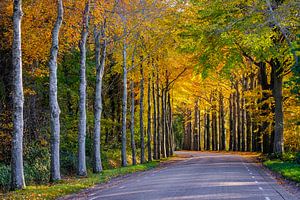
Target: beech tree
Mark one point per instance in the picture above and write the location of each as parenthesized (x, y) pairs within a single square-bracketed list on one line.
[(17, 174), (82, 171), (100, 65), (54, 107)]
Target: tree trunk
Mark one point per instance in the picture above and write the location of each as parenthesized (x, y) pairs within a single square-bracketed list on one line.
[(196, 128), (163, 125), (81, 171), (235, 122), (231, 122), (248, 118), (222, 124), (277, 93), (17, 171), (205, 132), (100, 65), (262, 145), (158, 119), (142, 140), (214, 129), (239, 115), (154, 122), (243, 113), (124, 101), (54, 107), (133, 148), (171, 126), (208, 145), (167, 135), (149, 122), (199, 129), (253, 121)]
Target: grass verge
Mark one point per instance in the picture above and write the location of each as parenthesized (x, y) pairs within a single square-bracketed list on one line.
[(289, 170), (73, 185)]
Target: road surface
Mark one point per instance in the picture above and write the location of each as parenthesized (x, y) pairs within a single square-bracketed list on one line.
[(207, 176)]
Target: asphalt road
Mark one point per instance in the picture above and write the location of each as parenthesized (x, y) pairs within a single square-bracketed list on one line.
[(207, 176)]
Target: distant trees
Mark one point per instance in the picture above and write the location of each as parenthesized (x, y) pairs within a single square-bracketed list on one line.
[(257, 58)]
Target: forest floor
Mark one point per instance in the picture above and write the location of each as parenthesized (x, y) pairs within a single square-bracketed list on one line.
[(197, 175)]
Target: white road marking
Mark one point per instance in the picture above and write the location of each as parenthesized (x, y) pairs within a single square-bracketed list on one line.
[(253, 177), (122, 187), (251, 173), (260, 188), (267, 198)]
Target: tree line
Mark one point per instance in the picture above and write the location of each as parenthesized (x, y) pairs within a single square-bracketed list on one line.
[(90, 85), (139, 63), (253, 88)]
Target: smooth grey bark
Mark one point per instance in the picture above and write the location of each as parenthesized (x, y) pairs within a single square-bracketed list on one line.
[(231, 123), (163, 125), (243, 116), (142, 139), (158, 119), (167, 141), (196, 128), (81, 171), (167, 134), (248, 118), (239, 114), (235, 123), (149, 122), (133, 148), (199, 129), (214, 128), (154, 122), (124, 100), (100, 55), (171, 126), (222, 123), (54, 107), (208, 135), (17, 171), (204, 132)]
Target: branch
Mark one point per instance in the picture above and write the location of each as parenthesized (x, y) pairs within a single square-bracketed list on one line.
[(167, 86)]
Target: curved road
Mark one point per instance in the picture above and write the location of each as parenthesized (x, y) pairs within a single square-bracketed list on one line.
[(207, 176)]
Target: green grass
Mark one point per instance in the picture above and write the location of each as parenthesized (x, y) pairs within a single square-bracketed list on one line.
[(73, 185), (289, 170)]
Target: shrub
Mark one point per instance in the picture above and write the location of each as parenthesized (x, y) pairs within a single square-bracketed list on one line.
[(298, 157), (37, 164), (4, 177), (289, 156), (68, 162)]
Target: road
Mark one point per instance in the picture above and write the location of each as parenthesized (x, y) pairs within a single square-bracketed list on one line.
[(207, 176)]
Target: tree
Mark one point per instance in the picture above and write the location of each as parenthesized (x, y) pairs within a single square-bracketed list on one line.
[(149, 121), (54, 107), (142, 140), (17, 174), (100, 51), (82, 171), (124, 99), (133, 148)]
